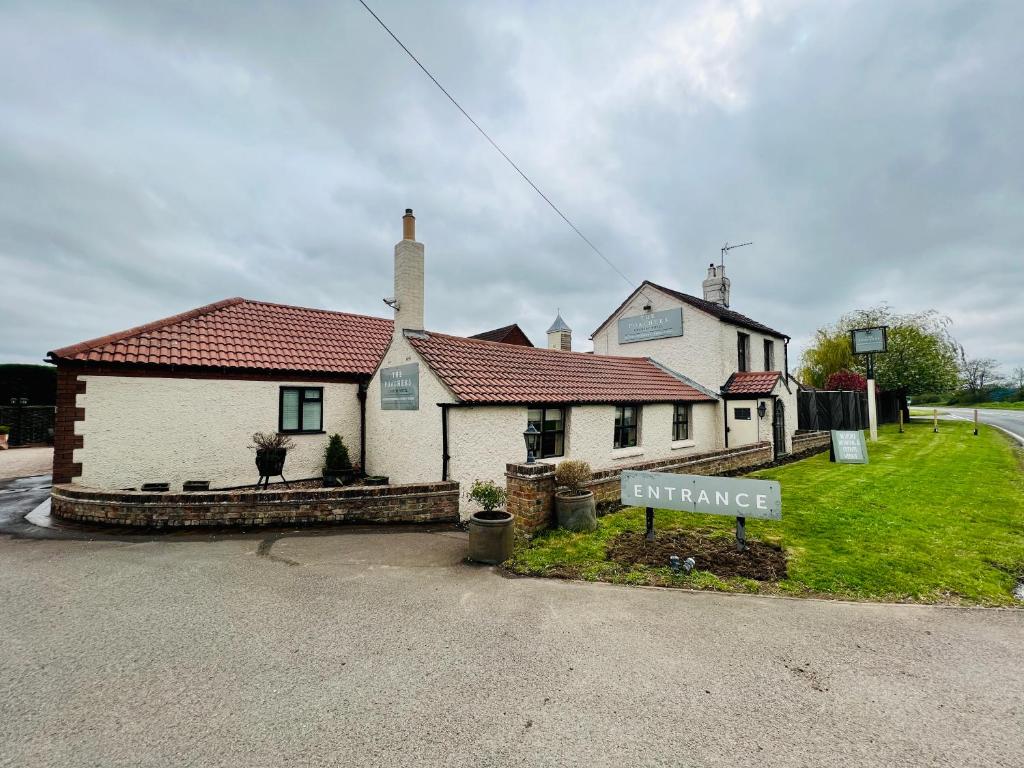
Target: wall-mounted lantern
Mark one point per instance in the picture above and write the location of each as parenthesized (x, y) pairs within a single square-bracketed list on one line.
[(532, 438), (762, 409)]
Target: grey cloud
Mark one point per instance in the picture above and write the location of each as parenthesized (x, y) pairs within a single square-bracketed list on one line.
[(157, 156)]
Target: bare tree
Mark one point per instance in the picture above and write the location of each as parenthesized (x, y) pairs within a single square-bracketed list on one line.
[(976, 372), (1018, 378)]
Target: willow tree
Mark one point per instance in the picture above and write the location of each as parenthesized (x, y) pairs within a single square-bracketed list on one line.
[(923, 356)]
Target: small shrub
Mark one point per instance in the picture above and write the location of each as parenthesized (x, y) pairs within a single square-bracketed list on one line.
[(336, 455), (271, 441), (573, 475), (487, 495), (4, 429)]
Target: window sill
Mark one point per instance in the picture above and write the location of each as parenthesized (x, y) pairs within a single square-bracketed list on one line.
[(301, 432), (626, 453), (680, 444)]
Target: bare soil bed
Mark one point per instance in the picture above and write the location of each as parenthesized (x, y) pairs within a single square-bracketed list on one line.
[(717, 555)]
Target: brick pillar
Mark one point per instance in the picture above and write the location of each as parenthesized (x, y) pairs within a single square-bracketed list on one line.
[(65, 468), (531, 495)]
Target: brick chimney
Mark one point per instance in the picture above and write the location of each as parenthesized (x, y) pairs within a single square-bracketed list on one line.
[(408, 298), (716, 285)]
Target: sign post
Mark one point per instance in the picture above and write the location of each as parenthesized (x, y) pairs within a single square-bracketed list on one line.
[(868, 341), (733, 497)]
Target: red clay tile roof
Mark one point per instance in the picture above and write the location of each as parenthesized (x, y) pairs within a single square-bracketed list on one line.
[(490, 372), (724, 314), (509, 334), (254, 335), (751, 383)]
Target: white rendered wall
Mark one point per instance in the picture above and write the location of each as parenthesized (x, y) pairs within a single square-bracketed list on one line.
[(698, 353), (406, 445), (482, 439), (139, 429), (747, 432)]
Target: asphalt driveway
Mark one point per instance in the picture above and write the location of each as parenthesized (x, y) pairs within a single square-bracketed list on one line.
[(383, 648)]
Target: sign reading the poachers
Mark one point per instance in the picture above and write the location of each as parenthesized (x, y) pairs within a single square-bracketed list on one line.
[(400, 388), (731, 496), (848, 447), (652, 325), (869, 340)]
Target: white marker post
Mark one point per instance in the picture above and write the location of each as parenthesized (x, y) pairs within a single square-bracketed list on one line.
[(872, 412)]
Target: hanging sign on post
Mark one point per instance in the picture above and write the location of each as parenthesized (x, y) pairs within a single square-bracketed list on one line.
[(868, 341)]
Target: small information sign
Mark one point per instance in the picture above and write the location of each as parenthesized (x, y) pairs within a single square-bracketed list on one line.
[(400, 388), (848, 447), (652, 325)]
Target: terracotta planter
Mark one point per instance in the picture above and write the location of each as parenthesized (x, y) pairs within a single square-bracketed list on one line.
[(576, 513), (3, 442), (491, 536)]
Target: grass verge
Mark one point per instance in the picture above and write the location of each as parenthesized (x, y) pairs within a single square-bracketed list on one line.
[(934, 518)]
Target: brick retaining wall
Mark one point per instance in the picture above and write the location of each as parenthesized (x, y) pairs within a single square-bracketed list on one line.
[(808, 443), (606, 483), (531, 487), (415, 503)]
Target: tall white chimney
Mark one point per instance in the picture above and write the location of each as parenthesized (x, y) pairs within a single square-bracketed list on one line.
[(408, 299), (716, 285)]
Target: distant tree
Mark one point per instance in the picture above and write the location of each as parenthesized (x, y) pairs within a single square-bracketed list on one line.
[(976, 373), (849, 380), (1017, 378), (830, 354), (922, 354)]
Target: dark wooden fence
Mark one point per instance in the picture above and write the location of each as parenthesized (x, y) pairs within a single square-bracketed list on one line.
[(829, 409)]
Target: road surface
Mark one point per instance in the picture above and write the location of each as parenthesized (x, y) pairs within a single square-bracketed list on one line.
[(362, 647), (1009, 421)]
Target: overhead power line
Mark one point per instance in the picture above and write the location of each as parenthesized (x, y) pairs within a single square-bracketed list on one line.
[(494, 144)]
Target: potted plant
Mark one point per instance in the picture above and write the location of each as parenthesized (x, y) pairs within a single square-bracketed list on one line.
[(4, 431), (574, 505), (271, 450), (337, 465), (490, 529)]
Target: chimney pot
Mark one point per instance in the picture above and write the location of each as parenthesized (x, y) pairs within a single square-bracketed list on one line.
[(408, 225)]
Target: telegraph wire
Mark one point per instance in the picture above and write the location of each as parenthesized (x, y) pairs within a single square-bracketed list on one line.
[(494, 144)]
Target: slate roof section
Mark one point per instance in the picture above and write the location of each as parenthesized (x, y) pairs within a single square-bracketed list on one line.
[(559, 325), (751, 383), (488, 372), (724, 314), (244, 334), (508, 334)]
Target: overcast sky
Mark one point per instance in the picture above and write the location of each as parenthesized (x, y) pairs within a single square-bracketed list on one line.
[(159, 156)]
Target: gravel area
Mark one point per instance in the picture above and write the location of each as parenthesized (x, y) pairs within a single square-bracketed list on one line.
[(25, 462)]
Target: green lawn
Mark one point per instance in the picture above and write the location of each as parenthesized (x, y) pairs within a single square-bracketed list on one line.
[(935, 518), (999, 406)]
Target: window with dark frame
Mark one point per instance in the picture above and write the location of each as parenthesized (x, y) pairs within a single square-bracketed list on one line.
[(742, 352), (627, 419), (769, 355), (681, 422), (301, 409), (742, 414), (550, 422)]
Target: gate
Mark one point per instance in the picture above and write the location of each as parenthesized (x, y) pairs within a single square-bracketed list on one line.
[(779, 427)]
